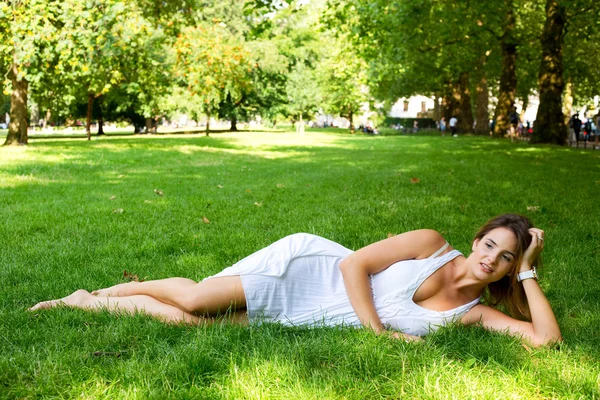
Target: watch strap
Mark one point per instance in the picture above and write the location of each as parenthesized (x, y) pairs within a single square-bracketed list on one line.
[(531, 274)]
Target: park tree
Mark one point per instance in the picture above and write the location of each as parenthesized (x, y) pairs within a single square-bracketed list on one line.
[(27, 36), (304, 96), (213, 65), (343, 80), (105, 44), (570, 33)]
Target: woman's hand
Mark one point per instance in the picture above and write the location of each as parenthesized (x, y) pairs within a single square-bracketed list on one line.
[(534, 249)]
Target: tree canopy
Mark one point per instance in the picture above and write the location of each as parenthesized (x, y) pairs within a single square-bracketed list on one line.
[(240, 60)]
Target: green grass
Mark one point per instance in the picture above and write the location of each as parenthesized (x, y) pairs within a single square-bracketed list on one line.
[(61, 231)]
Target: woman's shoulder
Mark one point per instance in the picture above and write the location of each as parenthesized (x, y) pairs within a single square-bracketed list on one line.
[(431, 242)]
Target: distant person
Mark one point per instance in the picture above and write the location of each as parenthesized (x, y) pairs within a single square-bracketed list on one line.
[(453, 122), (513, 118), (415, 126), (576, 126), (597, 133), (587, 130), (443, 126)]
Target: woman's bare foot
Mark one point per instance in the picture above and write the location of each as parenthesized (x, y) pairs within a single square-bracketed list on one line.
[(120, 290), (77, 298)]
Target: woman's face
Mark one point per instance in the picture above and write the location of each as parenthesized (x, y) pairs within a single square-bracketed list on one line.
[(494, 254)]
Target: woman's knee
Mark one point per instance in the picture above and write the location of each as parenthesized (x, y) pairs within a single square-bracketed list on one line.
[(213, 296)]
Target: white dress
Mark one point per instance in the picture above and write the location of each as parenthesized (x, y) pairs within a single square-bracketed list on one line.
[(297, 281)]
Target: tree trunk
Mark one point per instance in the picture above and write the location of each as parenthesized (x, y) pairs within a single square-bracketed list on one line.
[(508, 76), (47, 118), (17, 128), (100, 118), (567, 100), (550, 124), (301, 125), (233, 127), (482, 105), (148, 125), (437, 110), (351, 118), (88, 122), (207, 122), (482, 99), (461, 96)]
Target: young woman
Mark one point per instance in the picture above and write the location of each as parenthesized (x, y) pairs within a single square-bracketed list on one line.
[(411, 284)]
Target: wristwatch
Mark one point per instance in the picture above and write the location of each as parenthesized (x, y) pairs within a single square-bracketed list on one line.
[(531, 274)]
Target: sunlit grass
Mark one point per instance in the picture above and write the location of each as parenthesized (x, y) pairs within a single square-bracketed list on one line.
[(76, 214)]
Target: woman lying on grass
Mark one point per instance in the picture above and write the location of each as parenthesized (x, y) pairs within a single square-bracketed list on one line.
[(411, 283)]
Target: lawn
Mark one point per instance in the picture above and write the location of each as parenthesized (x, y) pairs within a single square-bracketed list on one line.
[(77, 214)]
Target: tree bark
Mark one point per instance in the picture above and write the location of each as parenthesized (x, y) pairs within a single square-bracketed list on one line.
[(437, 110), (100, 118), (149, 121), (233, 118), (17, 129), (351, 119), (207, 122), (88, 121), (508, 76), (550, 124), (461, 100), (482, 107), (482, 99)]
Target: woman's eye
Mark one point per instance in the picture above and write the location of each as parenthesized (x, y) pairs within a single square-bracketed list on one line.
[(507, 258), (489, 246)]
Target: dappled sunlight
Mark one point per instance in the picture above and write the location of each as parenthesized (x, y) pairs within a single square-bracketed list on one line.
[(272, 378), (268, 154), (533, 150), (23, 180)]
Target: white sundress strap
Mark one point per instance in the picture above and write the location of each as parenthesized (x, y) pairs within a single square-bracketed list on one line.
[(440, 251)]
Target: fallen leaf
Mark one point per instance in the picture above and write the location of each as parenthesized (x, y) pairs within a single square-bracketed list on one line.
[(257, 204), (280, 185), (390, 235), (415, 180), (129, 276), (205, 220), (533, 208), (112, 197), (159, 192), (248, 191), (118, 211), (220, 186)]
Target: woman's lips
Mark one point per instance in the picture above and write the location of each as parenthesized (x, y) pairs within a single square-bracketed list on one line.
[(486, 268)]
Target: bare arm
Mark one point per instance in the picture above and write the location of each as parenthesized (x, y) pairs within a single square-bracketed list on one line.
[(543, 328), (357, 268)]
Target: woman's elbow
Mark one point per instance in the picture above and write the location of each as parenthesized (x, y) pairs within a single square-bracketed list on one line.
[(547, 340), (345, 264)]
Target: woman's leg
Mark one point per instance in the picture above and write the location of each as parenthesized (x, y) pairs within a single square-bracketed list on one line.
[(209, 297), (131, 304)]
